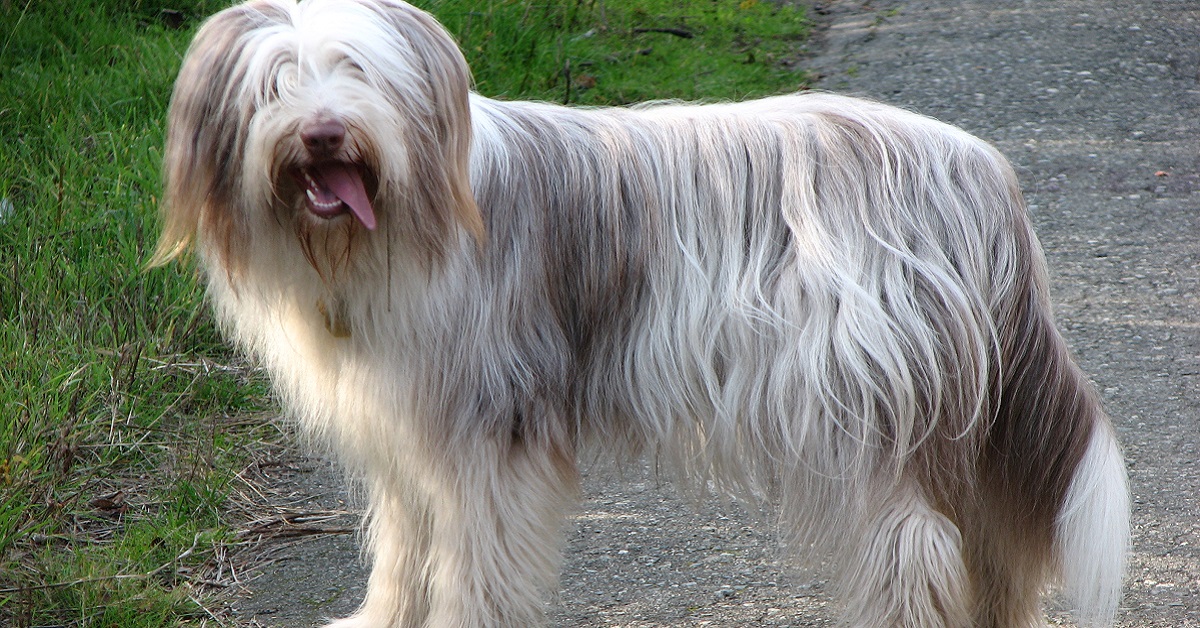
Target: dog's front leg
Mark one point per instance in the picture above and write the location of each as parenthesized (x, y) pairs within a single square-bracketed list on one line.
[(400, 531), (498, 533), (472, 539)]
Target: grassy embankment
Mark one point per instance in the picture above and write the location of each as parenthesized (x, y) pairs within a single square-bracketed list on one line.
[(125, 421)]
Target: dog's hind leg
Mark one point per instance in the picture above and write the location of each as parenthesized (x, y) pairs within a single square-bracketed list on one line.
[(1008, 568), (498, 533), (906, 568)]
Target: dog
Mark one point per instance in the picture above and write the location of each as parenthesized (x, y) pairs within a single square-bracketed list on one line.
[(822, 301)]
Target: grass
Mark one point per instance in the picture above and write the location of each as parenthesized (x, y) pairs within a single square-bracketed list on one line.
[(125, 420), (116, 392), (604, 53)]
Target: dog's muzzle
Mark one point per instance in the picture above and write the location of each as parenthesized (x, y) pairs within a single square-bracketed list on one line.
[(332, 187)]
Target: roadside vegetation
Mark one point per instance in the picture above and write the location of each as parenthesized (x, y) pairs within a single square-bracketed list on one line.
[(128, 428)]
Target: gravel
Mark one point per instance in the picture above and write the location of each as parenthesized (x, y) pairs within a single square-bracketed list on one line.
[(1097, 104)]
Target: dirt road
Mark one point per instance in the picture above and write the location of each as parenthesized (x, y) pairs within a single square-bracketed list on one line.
[(1097, 103)]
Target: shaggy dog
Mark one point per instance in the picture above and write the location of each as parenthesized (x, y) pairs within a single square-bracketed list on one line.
[(827, 302)]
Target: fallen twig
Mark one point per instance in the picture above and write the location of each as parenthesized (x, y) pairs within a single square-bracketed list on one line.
[(678, 32)]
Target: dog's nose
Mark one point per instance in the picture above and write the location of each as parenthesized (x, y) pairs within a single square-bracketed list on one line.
[(324, 137)]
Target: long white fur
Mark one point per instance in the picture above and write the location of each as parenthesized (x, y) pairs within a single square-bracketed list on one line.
[(1096, 514), (823, 291)]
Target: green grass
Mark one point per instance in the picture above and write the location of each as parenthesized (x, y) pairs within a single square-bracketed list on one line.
[(605, 53), (124, 418), (114, 385)]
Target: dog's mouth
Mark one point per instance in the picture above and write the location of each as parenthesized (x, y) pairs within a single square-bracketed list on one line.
[(334, 188)]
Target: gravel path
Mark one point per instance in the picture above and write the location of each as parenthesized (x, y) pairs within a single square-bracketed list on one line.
[(1097, 103)]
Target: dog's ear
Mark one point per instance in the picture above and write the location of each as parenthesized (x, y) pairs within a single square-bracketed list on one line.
[(207, 120), (444, 169)]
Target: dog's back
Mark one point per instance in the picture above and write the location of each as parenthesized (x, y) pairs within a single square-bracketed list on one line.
[(833, 289)]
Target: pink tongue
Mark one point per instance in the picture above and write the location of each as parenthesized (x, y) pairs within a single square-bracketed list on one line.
[(345, 181)]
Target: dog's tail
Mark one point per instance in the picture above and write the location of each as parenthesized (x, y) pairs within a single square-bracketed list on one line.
[(1093, 529), (1054, 454)]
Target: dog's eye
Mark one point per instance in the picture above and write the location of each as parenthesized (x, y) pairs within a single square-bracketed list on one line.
[(272, 91), (283, 82), (352, 66)]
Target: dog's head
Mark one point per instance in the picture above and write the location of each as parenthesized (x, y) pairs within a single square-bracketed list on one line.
[(344, 121)]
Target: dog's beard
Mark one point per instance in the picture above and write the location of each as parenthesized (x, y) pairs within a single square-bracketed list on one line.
[(327, 244), (329, 240), (330, 244), (331, 206)]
